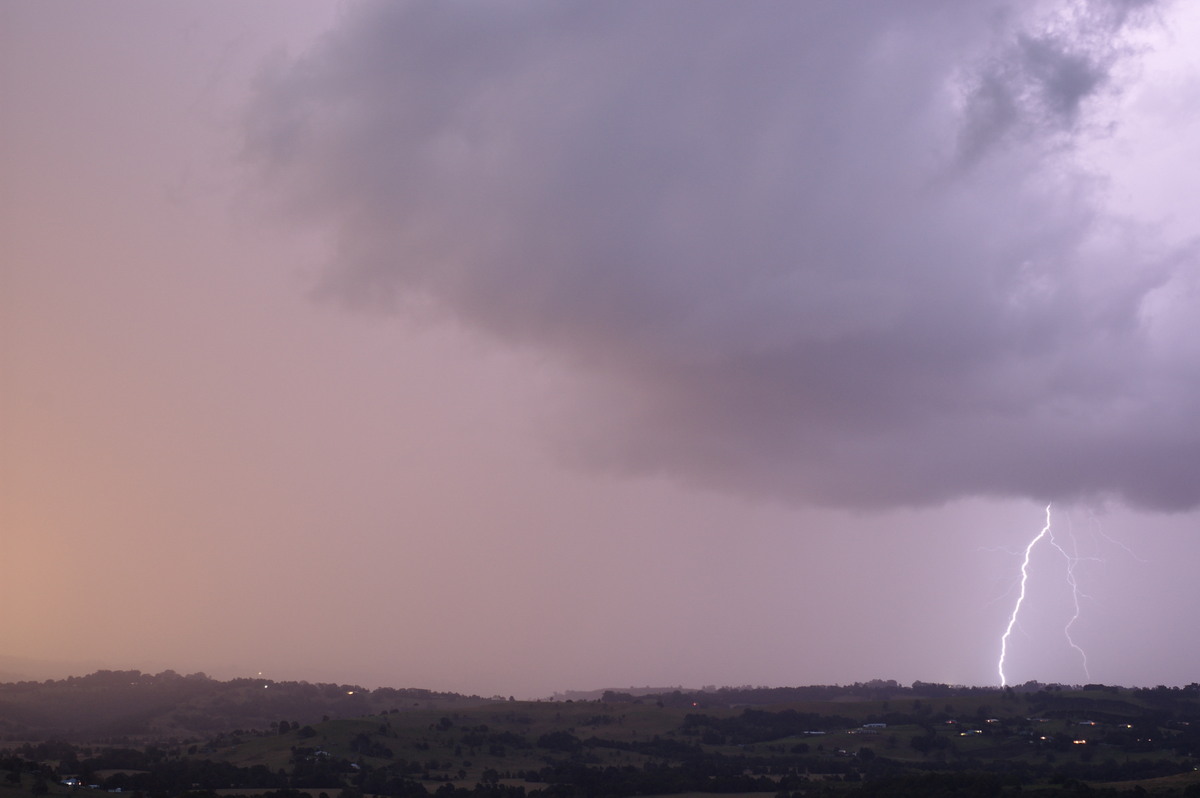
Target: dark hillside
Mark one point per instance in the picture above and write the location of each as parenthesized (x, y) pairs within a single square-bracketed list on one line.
[(117, 704), (854, 742)]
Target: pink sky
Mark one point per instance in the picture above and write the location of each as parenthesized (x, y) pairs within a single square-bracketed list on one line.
[(422, 353)]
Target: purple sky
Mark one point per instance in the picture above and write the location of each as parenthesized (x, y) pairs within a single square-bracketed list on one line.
[(512, 348)]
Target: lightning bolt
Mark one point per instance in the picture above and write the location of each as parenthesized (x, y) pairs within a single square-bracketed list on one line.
[(1072, 559), (1012, 621)]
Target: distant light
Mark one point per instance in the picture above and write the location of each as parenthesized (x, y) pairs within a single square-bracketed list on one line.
[(349, 692)]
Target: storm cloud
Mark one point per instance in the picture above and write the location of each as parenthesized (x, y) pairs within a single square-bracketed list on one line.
[(854, 254)]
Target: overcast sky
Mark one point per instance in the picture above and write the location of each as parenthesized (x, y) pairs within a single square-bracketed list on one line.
[(519, 347)]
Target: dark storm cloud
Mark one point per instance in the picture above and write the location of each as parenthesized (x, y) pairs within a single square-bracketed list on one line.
[(827, 252)]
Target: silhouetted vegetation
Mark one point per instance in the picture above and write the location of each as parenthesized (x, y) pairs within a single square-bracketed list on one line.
[(131, 704), (878, 740)]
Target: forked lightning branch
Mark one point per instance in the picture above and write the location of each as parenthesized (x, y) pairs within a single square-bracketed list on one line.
[(1072, 560)]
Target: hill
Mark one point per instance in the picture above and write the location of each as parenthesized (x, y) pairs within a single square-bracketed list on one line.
[(877, 739), (131, 704)]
